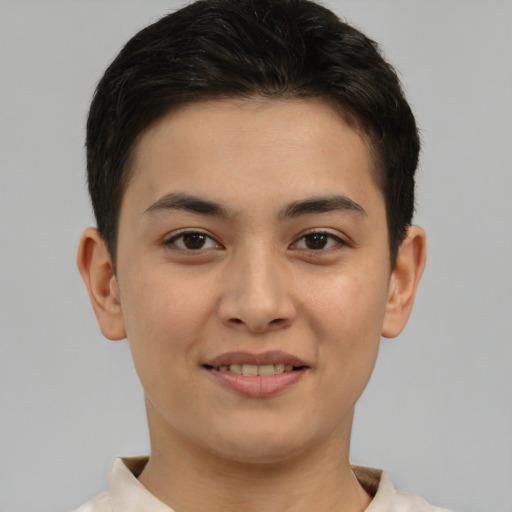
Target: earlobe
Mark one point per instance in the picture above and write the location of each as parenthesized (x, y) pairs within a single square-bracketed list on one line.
[(97, 271), (404, 281)]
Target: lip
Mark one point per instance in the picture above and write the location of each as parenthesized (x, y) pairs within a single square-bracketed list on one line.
[(269, 357), (256, 386)]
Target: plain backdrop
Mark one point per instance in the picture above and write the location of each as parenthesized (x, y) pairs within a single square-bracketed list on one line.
[(437, 413)]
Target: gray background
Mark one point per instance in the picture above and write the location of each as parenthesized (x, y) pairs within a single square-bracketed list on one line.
[(438, 411)]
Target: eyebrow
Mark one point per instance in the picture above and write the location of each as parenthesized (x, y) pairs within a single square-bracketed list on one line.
[(322, 205), (176, 201)]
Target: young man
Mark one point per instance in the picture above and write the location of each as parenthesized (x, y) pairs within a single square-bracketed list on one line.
[(251, 167)]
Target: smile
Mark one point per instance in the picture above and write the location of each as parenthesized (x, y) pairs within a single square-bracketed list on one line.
[(254, 369), (256, 375)]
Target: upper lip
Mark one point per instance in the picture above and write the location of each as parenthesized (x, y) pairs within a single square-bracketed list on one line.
[(263, 358)]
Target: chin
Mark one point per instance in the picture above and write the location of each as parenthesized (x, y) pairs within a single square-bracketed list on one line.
[(262, 453), (260, 444)]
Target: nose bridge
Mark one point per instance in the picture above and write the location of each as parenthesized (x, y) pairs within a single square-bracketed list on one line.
[(257, 294)]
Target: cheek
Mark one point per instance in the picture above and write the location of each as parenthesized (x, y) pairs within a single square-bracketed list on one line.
[(161, 334), (163, 319), (348, 318), (160, 305), (349, 305)]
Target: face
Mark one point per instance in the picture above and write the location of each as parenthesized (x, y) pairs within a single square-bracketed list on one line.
[(253, 275)]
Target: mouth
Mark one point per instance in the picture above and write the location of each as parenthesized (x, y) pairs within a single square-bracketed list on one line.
[(253, 370), (272, 362), (256, 375)]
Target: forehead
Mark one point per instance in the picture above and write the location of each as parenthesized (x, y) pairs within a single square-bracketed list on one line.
[(251, 147)]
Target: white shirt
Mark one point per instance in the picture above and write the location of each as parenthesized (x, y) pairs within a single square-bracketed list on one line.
[(126, 494)]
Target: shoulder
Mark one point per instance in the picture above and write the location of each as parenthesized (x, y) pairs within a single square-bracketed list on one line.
[(100, 503), (386, 498), (406, 502)]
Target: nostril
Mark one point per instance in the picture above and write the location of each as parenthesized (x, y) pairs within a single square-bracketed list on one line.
[(257, 324)]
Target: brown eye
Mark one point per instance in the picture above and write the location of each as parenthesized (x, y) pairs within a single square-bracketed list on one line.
[(316, 241), (193, 241)]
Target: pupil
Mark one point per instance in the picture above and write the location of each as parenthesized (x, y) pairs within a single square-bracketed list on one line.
[(194, 240), (316, 241)]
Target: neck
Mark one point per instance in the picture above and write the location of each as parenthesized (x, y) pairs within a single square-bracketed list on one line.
[(190, 479)]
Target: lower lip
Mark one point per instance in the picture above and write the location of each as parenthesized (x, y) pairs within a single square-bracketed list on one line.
[(257, 387)]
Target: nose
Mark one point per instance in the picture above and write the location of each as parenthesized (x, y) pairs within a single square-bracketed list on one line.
[(257, 293)]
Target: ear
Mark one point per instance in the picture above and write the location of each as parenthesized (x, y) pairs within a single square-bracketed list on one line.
[(97, 271), (404, 281)]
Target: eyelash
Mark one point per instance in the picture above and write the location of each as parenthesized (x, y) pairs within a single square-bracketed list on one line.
[(332, 241), (338, 242), (173, 241)]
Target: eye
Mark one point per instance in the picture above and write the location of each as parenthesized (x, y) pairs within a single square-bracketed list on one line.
[(318, 241), (192, 241)]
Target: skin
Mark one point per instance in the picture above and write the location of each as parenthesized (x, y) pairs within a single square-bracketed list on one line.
[(260, 282)]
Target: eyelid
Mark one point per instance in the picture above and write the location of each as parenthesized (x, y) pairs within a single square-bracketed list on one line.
[(170, 240), (341, 241)]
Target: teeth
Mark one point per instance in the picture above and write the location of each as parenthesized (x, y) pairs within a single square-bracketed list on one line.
[(249, 369), (253, 369), (279, 368), (235, 368), (267, 369)]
